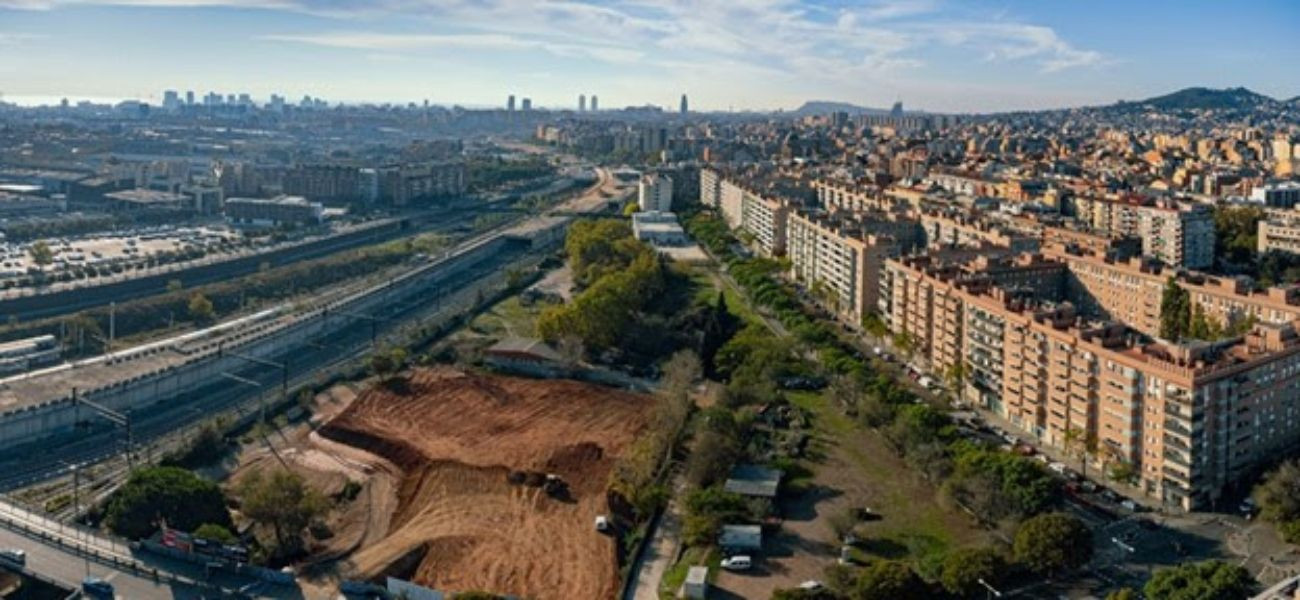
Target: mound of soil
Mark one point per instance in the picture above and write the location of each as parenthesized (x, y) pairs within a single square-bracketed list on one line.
[(475, 450)]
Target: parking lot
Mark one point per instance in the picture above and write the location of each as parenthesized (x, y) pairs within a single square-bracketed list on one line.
[(113, 252)]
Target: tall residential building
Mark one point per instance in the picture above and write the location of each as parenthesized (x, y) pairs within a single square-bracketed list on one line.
[(595, 105), (527, 104), (710, 188), (685, 106), (189, 98), (655, 193), (1180, 236), (840, 258), (171, 100), (582, 103), (1190, 418), (510, 103)]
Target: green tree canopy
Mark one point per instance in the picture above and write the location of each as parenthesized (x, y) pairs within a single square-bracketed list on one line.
[(41, 253), (216, 533), (1053, 542), (154, 494), (963, 570), (1175, 311), (282, 501), (200, 308), (888, 580), (1209, 580), (1278, 497)]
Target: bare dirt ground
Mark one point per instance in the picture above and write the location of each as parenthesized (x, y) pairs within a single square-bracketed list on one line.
[(459, 524)]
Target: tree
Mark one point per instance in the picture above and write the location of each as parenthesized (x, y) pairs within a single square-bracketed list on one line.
[(174, 285), (386, 363), (1212, 579), (1278, 497), (963, 570), (200, 308), (41, 253), (1082, 445), (888, 580), (174, 495), (1124, 593), (680, 372), (282, 501), (1235, 232), (215, 533), (1175, 311), (1053, 542)]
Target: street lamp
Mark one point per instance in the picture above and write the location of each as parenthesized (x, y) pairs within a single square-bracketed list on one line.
[(993, 592)]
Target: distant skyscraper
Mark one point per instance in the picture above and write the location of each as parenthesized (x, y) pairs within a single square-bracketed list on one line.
[(510, 103), (684, 105), (171, 100), (189, 98), (526, 104), (582, 103), (595, 106), (897, 111)]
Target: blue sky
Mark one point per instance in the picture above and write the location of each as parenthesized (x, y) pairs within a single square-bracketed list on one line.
[(944, 55)]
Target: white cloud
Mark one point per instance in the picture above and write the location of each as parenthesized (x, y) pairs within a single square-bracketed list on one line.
[(861, 46)]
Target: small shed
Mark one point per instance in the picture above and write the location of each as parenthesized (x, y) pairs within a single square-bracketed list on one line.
[(741, 538), (697, 583), (754, 481), (524, 355)]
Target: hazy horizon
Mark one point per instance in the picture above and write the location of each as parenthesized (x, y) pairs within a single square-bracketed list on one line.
[(933, 55)]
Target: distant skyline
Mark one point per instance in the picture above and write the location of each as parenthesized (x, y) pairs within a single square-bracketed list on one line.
[(937, 55)]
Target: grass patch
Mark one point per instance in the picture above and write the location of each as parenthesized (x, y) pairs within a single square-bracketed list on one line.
[(507, 318), (675, 576), (915, 527), (706, 284)]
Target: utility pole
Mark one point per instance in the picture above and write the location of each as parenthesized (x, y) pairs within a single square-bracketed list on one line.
[(112, 324)]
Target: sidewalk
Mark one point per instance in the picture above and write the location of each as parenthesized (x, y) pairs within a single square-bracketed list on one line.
[(661, 552)]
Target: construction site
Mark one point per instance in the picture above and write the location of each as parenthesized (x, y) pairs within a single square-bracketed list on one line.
[(466, 481)]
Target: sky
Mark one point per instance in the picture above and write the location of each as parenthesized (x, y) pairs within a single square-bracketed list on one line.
[(936, 55)]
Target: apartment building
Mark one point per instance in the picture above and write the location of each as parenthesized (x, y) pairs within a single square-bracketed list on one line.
[(1180, 234), (1279, 234), (1190, 418), (655, 193), (710, 188), (836, 196), (840, 258), (1130, 291), (765, 219), (947, 229)]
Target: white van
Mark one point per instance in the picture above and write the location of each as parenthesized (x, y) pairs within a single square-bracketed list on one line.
[(737, 563)]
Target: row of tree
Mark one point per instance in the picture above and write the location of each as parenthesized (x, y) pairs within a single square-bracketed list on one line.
[(277, 500)]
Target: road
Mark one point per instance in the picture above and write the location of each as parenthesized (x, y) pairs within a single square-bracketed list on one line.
[(69, 568)]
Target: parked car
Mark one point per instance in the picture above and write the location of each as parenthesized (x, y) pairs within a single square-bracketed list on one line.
[(1129, 505), (810, 585), (602, 523), (737, 563)]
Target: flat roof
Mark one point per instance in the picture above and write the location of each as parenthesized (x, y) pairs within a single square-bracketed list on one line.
[(753, 480), (145, 196)]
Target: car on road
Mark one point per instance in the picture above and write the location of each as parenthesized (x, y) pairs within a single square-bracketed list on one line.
[(740, 562), (97, 588), (15, 556)]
